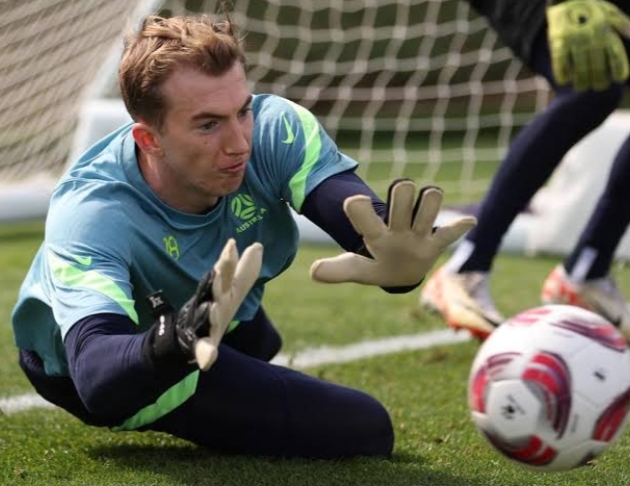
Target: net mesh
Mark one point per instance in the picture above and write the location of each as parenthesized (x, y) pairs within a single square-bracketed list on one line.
[(422, 89), (51, 50)]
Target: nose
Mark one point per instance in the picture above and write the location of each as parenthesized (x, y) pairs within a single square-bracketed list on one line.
[(238, 137)]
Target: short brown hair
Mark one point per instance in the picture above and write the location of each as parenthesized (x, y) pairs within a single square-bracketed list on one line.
[(160, 45)]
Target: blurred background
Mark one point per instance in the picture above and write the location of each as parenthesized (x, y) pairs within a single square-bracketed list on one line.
[(413, 88)]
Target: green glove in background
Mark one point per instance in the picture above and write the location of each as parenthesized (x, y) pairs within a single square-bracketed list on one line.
[(585, 43)]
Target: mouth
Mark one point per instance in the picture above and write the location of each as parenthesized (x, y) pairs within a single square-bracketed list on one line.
[(235, 168)]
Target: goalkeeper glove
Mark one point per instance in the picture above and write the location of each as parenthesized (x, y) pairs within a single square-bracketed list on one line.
[(585, 44), (404, 250), (195, 331)]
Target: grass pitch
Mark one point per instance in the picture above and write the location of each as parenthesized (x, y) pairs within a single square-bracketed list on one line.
[(425, 392)]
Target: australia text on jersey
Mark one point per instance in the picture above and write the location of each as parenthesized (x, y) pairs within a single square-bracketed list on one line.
[(244, 208)]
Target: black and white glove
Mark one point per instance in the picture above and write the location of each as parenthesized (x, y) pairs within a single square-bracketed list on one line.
[(195, 331), (403, 250)]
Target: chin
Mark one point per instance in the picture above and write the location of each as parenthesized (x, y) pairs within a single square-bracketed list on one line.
[(232, 186)]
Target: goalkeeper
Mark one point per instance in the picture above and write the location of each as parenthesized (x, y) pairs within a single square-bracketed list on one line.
[(142, 309), (580, 47)]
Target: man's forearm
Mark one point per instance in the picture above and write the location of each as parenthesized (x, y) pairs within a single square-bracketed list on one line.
[(105, 358)]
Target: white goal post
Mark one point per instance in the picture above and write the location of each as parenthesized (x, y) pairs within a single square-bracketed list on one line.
[(416, 88), (53, 53)]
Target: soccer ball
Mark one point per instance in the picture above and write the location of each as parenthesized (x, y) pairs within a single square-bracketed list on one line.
[(550, 388)]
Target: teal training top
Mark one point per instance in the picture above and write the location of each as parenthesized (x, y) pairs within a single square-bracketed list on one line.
[(110, 241)]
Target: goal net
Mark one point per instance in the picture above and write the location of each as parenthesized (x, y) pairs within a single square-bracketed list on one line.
[(416, 88), (51, 52)]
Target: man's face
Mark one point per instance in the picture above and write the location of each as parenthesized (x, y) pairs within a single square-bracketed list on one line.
[(207, 133)]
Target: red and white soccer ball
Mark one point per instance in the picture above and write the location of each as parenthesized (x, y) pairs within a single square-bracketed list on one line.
[(550, 388)]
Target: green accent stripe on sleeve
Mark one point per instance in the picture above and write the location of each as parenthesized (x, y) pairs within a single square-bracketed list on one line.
[(313, 146), (72, 276), (232, 325), (167, 402)]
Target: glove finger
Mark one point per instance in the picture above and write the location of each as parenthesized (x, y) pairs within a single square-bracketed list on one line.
[(561, 67), (361, 214), (347, 267), (581, 69), (617, 60), (452, 231), (206, 348), (400, 201), (617, 19), (247, 271), (224, 269), (600, 75), (430, 201), (220, 316), (206, 353)]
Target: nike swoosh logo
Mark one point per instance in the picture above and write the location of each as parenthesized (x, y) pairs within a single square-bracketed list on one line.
[(85, 261), (290, 135)]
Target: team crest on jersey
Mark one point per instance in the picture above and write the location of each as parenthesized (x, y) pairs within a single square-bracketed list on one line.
[(244, 208)]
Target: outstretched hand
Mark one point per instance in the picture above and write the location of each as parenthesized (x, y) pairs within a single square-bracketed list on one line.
[(232, 280), (194, 333), (403, 250)]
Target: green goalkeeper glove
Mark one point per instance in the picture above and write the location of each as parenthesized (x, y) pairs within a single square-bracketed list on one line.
[(404, 250), (585, 44), (195, 331)]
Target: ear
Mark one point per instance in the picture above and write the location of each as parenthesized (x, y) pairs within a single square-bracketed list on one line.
[(146, 138)]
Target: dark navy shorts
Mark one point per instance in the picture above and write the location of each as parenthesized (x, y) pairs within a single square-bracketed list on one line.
[(245, 405)]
